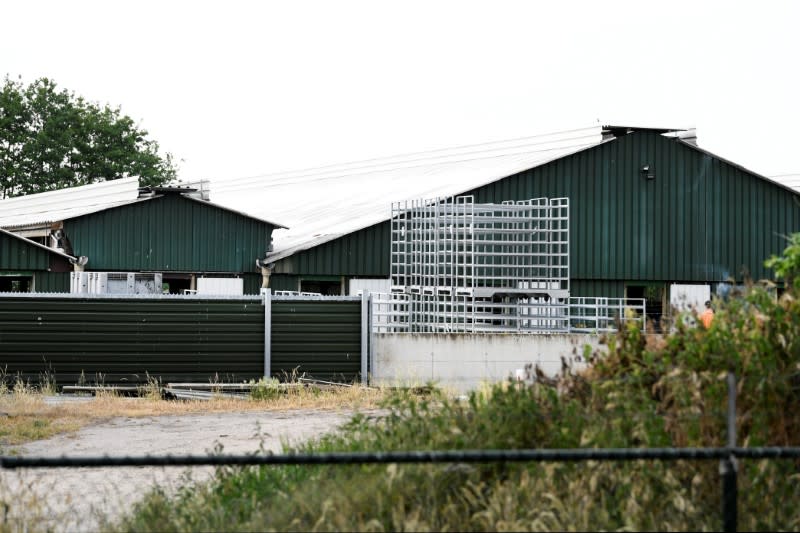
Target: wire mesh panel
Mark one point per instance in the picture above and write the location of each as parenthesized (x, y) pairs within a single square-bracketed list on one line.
[(468, 267), (390, 313), (522, 242)]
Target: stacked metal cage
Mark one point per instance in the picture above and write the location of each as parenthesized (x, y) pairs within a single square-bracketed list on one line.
[(460, 266)]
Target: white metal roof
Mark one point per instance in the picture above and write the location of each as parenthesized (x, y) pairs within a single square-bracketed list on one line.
[(325, 203), (54, 206), (787, 180)]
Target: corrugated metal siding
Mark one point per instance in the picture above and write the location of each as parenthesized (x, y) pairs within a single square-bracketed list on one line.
[(126, 339), (169, 233), (16, 254), (592, 288), (51, 282), (317, 338), (252, 283), (284, 282), (362, 253)]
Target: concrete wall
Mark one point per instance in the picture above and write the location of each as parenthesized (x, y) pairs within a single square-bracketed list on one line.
[(463, 362)]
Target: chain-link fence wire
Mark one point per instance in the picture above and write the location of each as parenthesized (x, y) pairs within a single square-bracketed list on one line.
[(595, 495), (470, 492)]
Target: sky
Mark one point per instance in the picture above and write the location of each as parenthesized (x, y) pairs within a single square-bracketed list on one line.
[(235, 89)]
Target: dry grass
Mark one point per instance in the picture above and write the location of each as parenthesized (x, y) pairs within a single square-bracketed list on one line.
[(25, 416)]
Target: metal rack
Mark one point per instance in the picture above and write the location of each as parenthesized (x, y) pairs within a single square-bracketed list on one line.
[(467, 267)]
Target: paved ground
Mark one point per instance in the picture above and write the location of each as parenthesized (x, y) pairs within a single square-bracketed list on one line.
[(74, 497)]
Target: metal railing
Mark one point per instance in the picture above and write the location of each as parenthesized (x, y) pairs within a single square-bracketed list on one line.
[(433, 312), (602, 314)]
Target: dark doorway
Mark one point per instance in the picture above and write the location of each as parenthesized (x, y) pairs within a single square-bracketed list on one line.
[(324, 287), (653, 301), (16, 283), (176, 284)]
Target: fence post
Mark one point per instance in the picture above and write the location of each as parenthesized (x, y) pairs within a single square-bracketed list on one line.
[(365, 323), (728, 466), (266, 295)]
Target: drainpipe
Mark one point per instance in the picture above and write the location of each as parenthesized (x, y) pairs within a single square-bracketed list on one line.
[(79, 263), (266, 272)]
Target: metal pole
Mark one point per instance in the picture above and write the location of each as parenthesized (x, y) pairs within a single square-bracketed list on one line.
[(267, 301), (365, 328), (728, 466)]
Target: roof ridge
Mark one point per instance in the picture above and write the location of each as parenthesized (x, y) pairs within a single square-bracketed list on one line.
[(552, 137), (306, 175)]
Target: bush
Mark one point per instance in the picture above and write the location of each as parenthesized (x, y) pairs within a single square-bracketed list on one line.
[(266, 389)]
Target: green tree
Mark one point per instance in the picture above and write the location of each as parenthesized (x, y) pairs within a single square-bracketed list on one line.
[(50, 138), (787, 266)]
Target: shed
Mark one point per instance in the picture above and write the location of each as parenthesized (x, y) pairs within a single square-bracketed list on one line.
[(118, 227)]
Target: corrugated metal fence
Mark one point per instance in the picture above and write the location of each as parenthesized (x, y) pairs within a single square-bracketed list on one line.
[(321, 338), (117, 340)]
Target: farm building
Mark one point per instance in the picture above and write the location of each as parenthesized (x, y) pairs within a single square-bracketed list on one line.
[(649, 209), (169, 236), (26, 266)]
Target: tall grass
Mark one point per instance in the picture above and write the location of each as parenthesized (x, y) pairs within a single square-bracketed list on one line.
[(642, 394)]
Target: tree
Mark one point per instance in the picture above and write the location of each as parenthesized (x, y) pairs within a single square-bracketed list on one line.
[(51, 139), (787, 266)]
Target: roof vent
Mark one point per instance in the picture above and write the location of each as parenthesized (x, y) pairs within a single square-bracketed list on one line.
[(197, 189), (689, 136)]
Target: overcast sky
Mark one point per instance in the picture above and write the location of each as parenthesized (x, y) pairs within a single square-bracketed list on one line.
[(237, 89)]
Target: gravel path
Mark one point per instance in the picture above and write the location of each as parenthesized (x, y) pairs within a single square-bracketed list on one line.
[(75, 499)]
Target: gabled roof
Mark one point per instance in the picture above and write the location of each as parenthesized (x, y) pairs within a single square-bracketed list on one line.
[(322, 204), (63, 204), (36, 245), (784, 181), (55, 206)]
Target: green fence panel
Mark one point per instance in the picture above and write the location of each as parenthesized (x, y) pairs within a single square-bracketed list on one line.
[(316, 338), (125, 340)]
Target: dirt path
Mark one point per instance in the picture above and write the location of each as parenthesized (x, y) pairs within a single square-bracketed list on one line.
[(74, 499)]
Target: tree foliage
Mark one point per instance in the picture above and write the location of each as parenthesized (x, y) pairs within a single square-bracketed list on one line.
[(787, 266), (50, 139)]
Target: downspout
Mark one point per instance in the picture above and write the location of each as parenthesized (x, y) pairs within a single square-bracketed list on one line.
[(266, 272), (78, 263)]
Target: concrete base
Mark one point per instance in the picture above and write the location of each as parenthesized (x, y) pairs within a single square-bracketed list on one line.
[(462, 362)]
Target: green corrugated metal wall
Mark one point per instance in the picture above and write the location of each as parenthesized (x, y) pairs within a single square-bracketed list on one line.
[(597, 288), (17, 254), (169, 233), (317, 338), (700, 219), (125, 339), (252, 283), (362, 253), (284, 282), (51, 281)]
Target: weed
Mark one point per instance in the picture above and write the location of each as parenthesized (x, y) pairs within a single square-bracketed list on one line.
[(152, 389), (266, 389), (47, 380)]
